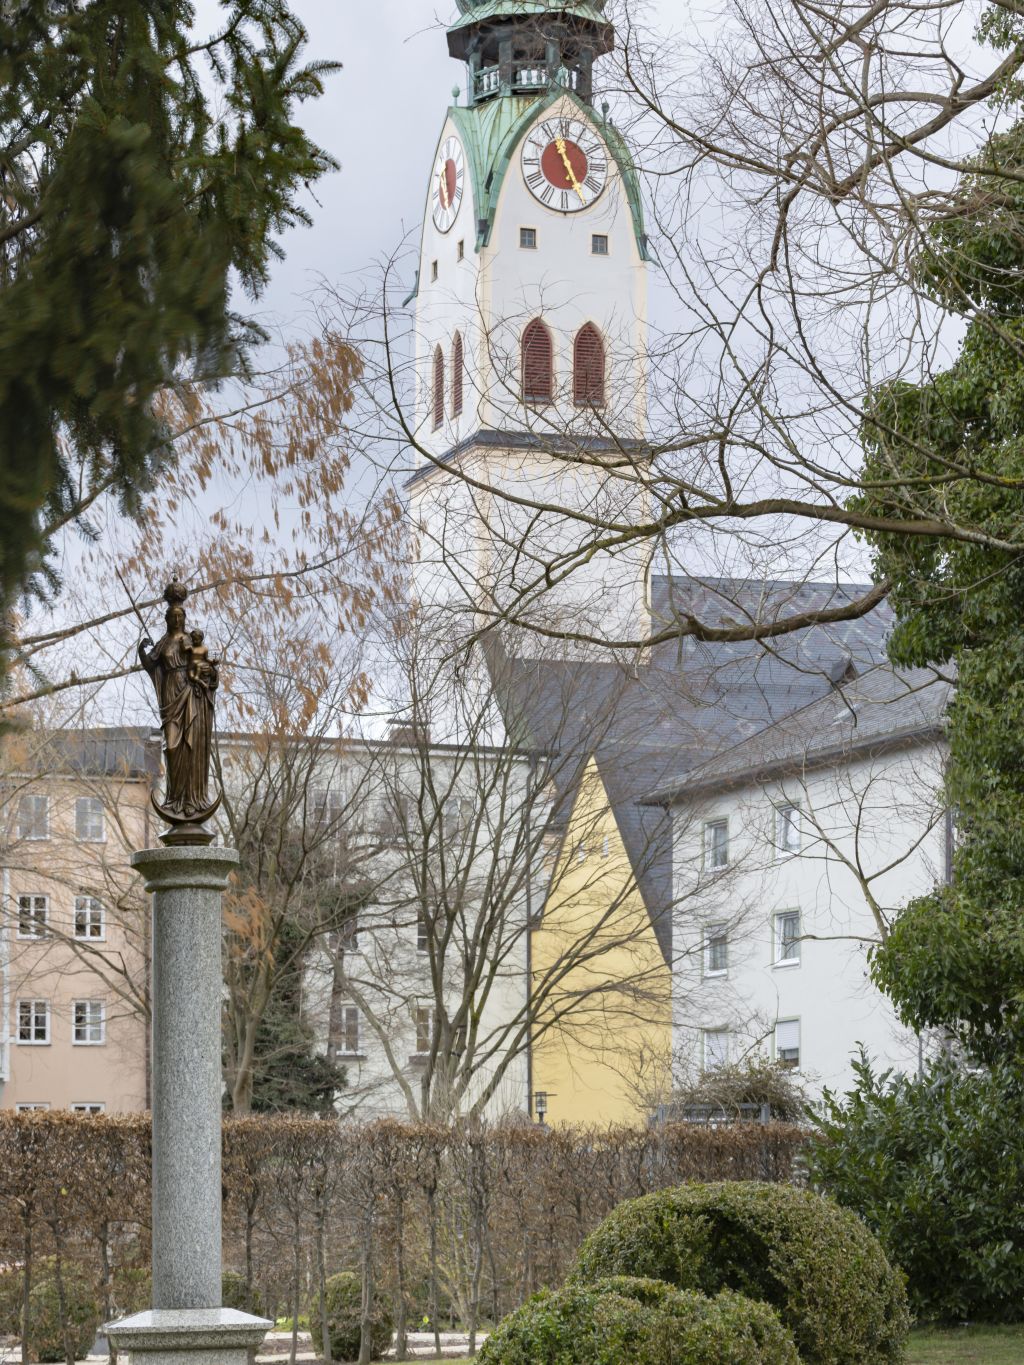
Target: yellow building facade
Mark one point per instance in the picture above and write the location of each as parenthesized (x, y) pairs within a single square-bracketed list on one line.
[(602, 990)]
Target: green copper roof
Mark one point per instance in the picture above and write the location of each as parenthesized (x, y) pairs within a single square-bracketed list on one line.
[(491, 132), (477, 11)]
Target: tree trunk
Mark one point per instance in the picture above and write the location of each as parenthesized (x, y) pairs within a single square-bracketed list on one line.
[(26, 1285), (62, 1298), (296, 1288), (107, 1285), (321, 1275), (400, 1314), (435, 1307), (366, 1330)]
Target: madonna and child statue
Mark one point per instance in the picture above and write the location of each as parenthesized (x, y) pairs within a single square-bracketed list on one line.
[(185, 680)]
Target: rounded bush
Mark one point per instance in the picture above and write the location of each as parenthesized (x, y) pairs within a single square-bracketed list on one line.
[(46, 1334), (234, 1293), (624, 1321), (344, 1318), (817, 1265)]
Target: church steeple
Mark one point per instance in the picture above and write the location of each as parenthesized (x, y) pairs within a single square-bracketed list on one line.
[(516, 47)]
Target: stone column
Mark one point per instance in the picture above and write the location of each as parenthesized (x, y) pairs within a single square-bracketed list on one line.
[(187, 1322)]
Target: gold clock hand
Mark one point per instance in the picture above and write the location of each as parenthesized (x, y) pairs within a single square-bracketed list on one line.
[(560, 147), (445, 197)]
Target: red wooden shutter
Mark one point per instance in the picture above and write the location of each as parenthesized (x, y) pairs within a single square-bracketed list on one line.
[(438, 388), (588, 367), (538, 376), (457, 375)]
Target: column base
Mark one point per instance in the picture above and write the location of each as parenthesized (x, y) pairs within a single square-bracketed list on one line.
[(188, 1336)]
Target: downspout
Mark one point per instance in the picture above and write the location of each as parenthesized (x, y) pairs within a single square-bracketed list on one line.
[(5, 985)]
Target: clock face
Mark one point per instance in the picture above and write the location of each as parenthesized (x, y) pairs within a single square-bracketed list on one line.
[(449, 184), (565, 164)]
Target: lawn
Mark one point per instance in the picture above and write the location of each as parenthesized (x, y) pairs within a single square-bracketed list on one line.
[(968, 1346)]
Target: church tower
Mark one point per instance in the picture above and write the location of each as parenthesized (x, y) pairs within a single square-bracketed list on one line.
[(530, 334)]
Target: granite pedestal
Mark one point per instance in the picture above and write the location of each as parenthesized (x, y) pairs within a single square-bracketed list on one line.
[(187, 1325)]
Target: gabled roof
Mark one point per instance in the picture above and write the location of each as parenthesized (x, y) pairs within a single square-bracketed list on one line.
[(652, 725)]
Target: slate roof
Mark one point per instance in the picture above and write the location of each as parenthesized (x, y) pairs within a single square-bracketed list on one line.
[(125, 751), (705, 711)]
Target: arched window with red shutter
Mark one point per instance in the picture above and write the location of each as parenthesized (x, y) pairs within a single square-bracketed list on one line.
[(538, 364), (588, 368), (438, 387), (457, 369)]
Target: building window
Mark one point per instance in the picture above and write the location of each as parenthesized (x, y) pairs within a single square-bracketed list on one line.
[(348, 936), (528, 239), (787, 938), (33, 1021), (89, 820), (30, 1106), (438, 387), (90, 1107), (716, 845), (349, 1030), (606, 846), (88, 1025), (787, 829), (599, 244), (90, 919), (457, 372), (421, 931), (588, 368), (716, 950), (716, 1048), (33, 817), (33, 912), (787, 1044), (424, 1028), (538, 364), (462, 251), (433, 270)]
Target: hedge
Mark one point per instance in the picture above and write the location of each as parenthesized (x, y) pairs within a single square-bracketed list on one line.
[(816, 1264)]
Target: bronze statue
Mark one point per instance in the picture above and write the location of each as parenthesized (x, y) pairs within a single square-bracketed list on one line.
[(185, 679)]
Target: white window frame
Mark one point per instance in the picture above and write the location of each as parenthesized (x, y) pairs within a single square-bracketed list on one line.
[(344, 1050), (90, 905), (422, 932), (427, 1014), (782, 849), (777, 959), (28, 1106), (795, 1020), (704, 1055), (90, 1023), (44, 906), (710, 971), (90, 1107), (719, 822), (95, 807), (36, 1007), (35, 797)]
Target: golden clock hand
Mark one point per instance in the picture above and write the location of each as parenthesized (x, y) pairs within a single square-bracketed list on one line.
[(560, 147), (445, 197)]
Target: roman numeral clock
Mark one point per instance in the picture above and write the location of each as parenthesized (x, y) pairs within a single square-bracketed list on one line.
[(449, 184), (565, 165)]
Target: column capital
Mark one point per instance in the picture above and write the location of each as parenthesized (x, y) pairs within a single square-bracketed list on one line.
[(185, 866)]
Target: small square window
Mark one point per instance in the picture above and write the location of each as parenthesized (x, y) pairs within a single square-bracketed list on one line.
[(89, 820), (787, 938), (33, 817), (716, 950), (90, 1107), (787, 1044), (716, 1048), (90, 920), (462, 251), (33, 912), (787, 829), (528, 238), (599, 244), (33, 1021), (348, 938), (433, 270), (88, 1025), (716, 845), (350, 1030)]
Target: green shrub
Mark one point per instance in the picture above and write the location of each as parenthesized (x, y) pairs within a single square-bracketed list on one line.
[(933, 1166), (10, 1302), (624, 1321), (46, 1334), (344, 1316), (817, 1265), (235, 1294)]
